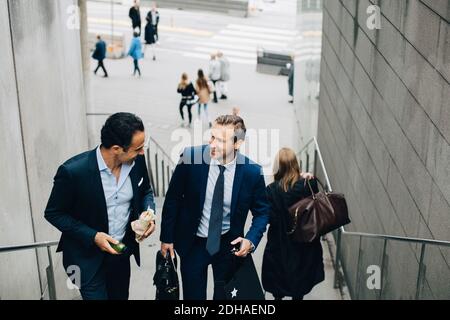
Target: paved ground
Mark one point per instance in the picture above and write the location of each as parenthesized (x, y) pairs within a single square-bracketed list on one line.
[(261, 98)]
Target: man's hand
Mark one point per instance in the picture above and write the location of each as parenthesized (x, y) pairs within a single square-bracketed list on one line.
[(165, 247), (150, 230), (103, 240), (246, 246)]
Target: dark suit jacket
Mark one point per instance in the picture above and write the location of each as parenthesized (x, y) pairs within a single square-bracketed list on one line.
[(100, 50), (135, 16), (77, 208), (185, 198)]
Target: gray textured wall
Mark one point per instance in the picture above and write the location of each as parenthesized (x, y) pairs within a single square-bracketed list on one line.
[(384, 129), (15, 278), (44, 116)]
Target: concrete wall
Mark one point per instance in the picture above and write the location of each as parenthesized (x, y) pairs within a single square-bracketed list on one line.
[(384, 131), (16, 279), (45, 118)]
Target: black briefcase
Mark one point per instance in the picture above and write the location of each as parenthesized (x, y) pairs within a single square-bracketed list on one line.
[(244, 284), (166, 278)]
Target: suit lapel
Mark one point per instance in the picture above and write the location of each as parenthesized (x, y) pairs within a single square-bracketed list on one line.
[(97, 189), (204, 172), (134, 177), (238, 175)]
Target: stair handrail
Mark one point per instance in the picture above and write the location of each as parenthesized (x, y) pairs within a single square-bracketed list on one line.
[(342, 232)]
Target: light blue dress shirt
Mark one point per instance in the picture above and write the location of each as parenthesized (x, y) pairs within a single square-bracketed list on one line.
[(118, 196), (214, 171)]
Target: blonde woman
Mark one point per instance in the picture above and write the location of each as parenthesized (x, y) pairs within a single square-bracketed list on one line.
[(289, 269), (187, 91)]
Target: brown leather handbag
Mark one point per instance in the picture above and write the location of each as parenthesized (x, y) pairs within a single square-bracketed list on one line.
[(317, 215)]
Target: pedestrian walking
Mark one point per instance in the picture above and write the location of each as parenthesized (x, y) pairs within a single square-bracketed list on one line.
[(187, 91), (289, 269), (203, 91), (291, 81), (135, 16), (136, 52), (214, 74), (224, 75), (99, 55), (151, 29)]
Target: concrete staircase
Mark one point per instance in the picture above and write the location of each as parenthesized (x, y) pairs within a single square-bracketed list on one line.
[(229, 7)]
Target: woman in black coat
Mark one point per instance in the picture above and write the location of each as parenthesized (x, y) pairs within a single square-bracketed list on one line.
[(150, 33), (289, 269), (187, 91)]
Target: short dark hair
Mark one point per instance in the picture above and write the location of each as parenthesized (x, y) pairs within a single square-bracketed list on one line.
[(119, 129), (237, 122)]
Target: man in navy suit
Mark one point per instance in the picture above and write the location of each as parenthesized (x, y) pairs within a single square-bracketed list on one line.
[(95, 197), (211, 191)]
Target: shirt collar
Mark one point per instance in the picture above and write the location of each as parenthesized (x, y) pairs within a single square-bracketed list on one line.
[(228, 166), (100, 161), (102, 165)]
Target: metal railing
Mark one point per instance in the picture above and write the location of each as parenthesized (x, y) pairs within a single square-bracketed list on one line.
[(160, 167), (309, 159), (50, 268)]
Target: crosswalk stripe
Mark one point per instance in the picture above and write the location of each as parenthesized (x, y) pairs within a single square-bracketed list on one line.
[(227, 52), (262, 29), (254, 35), (214, 44), (205, 56), (249, 40), (217, 45)]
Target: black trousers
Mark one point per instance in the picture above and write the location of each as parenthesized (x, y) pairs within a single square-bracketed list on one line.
[(194, 269), (101, 65), (112, 280), (215, 91), (189, 108), (136, 67)]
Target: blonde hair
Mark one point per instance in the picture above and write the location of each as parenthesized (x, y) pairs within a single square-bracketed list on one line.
[(184, 81), (286, 170)]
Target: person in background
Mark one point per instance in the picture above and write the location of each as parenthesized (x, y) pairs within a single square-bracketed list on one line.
[(154, 20), (224, 75), (203, 92), (136, 52), (135, 16), (290, 66), (99, 55), (289, 269), (187, 91), (214, 74), (151, 29)]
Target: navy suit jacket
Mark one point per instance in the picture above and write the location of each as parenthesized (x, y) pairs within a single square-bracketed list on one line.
[(77, 208), (185, 198)]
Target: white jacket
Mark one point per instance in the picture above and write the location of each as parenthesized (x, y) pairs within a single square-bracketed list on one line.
[(214, 70), (224, 69)]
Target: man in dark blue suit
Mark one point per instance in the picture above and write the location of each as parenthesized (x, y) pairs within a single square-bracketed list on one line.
[(95, 197), (100, 55), (211, 191)]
